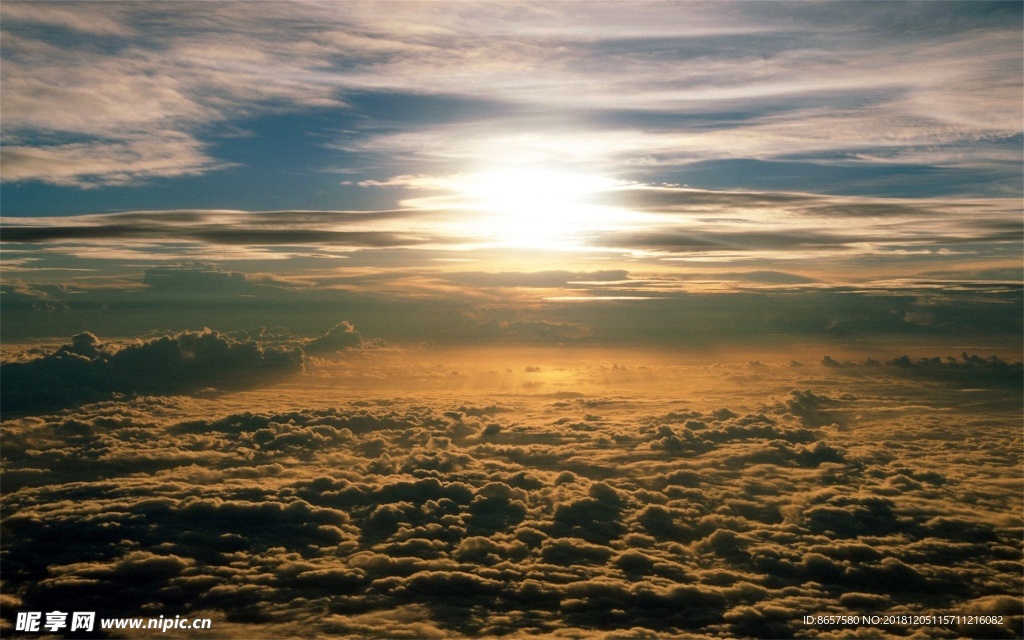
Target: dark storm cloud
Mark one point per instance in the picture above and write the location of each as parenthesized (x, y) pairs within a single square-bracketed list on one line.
[(89, 369)]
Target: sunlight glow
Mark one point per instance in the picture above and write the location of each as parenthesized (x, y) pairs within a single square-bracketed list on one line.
[(537, 208)]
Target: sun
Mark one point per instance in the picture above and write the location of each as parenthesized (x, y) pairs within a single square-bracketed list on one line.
[(535, 208)]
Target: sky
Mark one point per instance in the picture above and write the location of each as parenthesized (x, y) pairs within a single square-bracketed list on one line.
[(856, 167), (636, 319)]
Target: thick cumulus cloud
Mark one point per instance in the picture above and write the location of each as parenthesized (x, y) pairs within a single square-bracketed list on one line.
[(967, 369), (339, 337), (567, 515), (89, 369)]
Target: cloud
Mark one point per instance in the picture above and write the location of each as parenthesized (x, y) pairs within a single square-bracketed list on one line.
[(89, 369), (967, 370), (667, 238), (148, 99), (195, 277), (97, 23), (795, 226), (340, 336), (261, 509), (539, 279), (742, 83), (220, 228), (412, 306), (103, 164)]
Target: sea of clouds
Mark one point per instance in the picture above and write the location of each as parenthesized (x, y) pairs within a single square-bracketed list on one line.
[(626, 501)]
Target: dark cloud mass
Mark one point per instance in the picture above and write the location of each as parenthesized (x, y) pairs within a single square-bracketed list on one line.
[(814, 491), (605, 307), (89, 369), (340, 336), (215, 227)]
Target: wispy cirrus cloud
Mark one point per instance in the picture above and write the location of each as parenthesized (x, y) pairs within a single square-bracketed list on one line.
[(690, 82), (654, 224), (139, 107), (96, 164), (228, 227), (102, 21)]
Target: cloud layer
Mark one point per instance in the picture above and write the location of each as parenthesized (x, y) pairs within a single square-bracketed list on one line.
[(665, 237), (756, 309), (89, 369), (639, 91), (581, 514)]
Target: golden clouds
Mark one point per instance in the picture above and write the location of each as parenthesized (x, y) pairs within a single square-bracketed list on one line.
[(624, 510)]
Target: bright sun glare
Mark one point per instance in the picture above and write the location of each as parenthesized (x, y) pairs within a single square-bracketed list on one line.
[(536, 208)]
